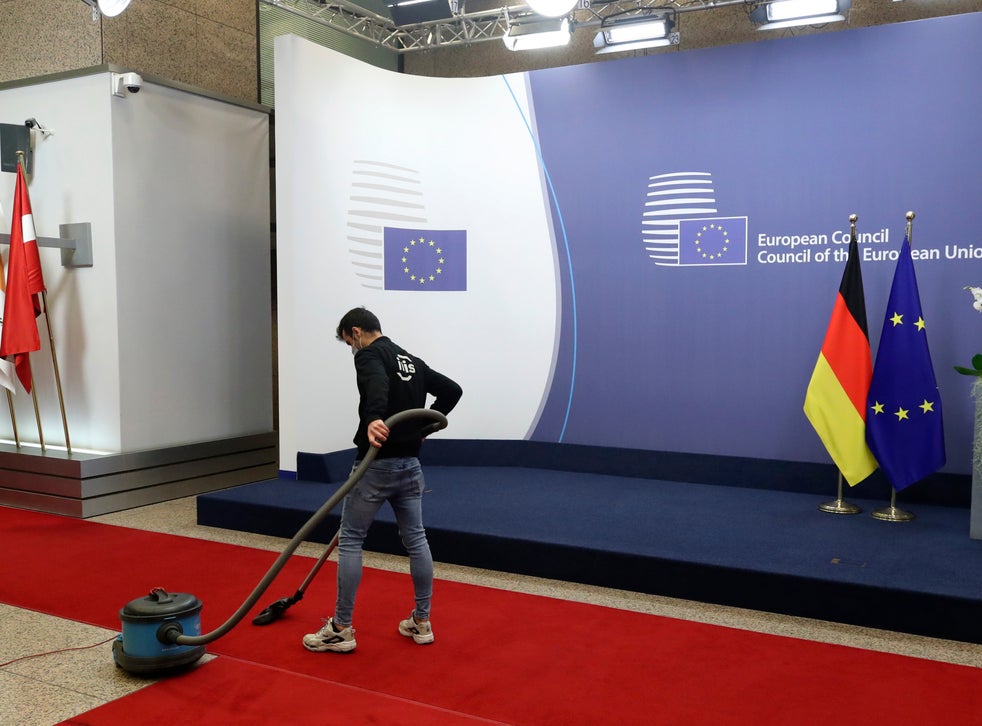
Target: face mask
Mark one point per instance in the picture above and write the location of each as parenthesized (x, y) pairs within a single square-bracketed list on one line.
[(354, 348)]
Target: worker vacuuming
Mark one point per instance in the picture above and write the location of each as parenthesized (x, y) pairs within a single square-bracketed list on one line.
[(390, 380)]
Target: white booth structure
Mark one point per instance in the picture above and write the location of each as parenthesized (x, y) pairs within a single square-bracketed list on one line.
[(160, 309)]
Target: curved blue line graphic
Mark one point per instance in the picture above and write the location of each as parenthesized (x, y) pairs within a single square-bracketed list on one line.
[(569, 260)]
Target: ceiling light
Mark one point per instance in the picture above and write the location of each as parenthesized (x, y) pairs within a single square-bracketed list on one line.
[(552, 8), (109, 8), (112, 8), (791, 13), (635, 32), (789, 9), (541, 34)]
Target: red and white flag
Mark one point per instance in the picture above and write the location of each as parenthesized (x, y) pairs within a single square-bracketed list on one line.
[(21, 304), (6, 367)]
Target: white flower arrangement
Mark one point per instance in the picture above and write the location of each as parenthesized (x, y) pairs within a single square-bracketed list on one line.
[(976, 369)]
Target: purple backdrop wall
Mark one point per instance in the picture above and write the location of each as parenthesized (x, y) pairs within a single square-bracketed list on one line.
[(793, 135)]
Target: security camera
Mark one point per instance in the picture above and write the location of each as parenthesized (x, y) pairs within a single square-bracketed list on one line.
[(131, 82), (33, 123)]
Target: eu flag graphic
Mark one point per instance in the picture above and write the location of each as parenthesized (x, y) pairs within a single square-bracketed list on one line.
[(713, 241), (903, 419), (425, 259)]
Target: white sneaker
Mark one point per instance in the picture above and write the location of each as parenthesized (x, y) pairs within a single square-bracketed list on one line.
[(421, 633), (327, 638)]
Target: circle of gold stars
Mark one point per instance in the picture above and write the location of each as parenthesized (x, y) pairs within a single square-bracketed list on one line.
[(416, 275), (712, 255), (903, 414)]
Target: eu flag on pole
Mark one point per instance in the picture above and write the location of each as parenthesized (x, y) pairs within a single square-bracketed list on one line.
[(903, 419), (425, 259)]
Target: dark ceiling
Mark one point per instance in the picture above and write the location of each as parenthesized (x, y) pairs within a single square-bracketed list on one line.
[(409, 12)]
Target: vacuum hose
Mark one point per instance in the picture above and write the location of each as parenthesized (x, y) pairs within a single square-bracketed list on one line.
[(173, 634)]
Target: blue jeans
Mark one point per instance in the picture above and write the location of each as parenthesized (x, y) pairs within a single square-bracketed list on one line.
[(398, 481)]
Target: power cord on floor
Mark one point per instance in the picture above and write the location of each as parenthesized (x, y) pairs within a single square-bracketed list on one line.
[(53, 652)]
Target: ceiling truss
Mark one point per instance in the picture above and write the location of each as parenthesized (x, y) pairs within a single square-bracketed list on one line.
[(465, 28)]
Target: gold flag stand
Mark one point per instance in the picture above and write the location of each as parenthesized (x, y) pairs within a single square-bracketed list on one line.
[(839, 506), (892, 513)]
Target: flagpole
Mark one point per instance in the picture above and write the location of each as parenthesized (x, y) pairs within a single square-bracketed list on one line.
[(13, 418), (37, 412), (10, 397), (839, 505), (54, 363), (891, 513)]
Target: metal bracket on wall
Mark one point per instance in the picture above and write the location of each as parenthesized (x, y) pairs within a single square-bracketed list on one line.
[(75, 243)]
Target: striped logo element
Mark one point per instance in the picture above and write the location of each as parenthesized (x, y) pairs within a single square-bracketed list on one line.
[(677, 208), (382, 195)]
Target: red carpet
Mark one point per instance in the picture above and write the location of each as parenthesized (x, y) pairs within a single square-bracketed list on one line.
[(226, 690), (499, 655)]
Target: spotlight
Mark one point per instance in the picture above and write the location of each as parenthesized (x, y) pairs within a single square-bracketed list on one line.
[(109, 8), (635, 32), (792, 13), (552, 8), (540, 34)]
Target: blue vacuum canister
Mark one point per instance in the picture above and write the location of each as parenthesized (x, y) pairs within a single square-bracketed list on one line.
[(149, 625)]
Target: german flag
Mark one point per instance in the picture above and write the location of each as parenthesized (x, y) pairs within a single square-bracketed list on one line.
[(835, 402)]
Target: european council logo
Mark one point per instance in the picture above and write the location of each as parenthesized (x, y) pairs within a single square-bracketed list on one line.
[(425, 259), (677, 229)]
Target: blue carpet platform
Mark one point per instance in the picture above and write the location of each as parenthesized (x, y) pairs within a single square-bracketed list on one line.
[(739, 532)]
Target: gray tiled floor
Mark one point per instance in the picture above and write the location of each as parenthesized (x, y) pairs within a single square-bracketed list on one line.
[(44, 690)]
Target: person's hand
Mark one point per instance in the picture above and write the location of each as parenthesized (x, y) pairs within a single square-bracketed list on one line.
[(378, 432)]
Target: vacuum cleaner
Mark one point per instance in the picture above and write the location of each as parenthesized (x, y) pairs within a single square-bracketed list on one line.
[(162, 631)]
